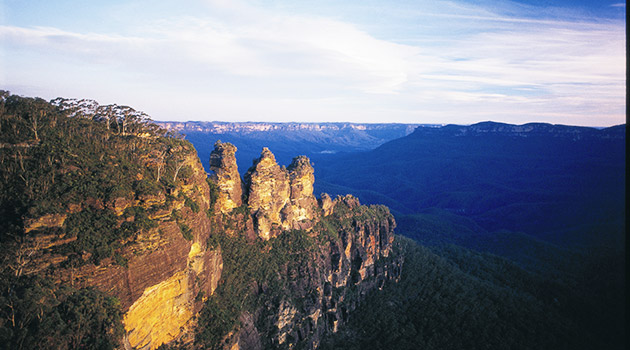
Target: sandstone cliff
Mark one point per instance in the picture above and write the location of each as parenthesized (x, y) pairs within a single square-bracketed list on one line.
[(166, 277), (268, 192), (324, 275), (144, 244)]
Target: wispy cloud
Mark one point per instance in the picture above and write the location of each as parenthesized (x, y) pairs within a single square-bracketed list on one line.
[(434, 61)]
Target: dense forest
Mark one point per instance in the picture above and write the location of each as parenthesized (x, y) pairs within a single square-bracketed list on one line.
[(534, 213), (455, 298)]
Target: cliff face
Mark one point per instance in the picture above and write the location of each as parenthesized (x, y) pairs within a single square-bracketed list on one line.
[(252, 127), (163, 273), (268, 193), (344, 252), (351, 256), (302, 209), (167, 277)]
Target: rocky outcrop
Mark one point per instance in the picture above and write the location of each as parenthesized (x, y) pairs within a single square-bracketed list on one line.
[(227, 177), (322, 285), (325, 287), (157, 316), (168, 277), (268, 192), (278, 198), (326, 203), (302, 207)]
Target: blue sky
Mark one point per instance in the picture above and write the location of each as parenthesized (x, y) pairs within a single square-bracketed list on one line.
[(432, 61)]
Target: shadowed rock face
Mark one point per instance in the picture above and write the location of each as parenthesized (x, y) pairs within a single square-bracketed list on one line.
[(223, 164), (278, 198)]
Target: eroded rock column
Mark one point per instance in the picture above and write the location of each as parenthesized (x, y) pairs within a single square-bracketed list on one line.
[(230, 186), (268, 192), (302, 207)]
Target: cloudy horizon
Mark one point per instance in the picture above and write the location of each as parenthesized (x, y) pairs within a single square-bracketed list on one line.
[(403, 61)]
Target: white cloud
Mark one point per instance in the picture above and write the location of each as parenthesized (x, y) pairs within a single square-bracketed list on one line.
[(443, 60)]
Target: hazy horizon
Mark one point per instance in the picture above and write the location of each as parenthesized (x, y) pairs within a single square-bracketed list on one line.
[(377, 123)]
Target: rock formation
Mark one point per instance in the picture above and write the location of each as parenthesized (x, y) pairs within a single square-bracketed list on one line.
[(278, 198), (302, 208), (268, 192), (228, 180)]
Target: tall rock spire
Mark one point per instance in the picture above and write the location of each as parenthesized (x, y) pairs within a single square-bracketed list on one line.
[(278, 198), (268, 192), (223, 164), (302, 207)]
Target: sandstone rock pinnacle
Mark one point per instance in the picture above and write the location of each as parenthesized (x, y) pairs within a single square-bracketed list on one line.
[(223, 163), (279, 198), (303, 205), (268, 192)]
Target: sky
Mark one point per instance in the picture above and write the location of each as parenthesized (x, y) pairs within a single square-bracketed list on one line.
[(366, 61)]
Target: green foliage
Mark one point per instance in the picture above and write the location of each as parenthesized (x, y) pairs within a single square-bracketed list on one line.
[(185, 172), (119, 191), (254, 275), (243, 210), (328, 228), (120, 260), (221, 311), (146, 188), (214, 195), (186, 231), (55, 156), (35, 314), (176, 216), (96, 233), (192, 205), (454, 298), (141, 220)]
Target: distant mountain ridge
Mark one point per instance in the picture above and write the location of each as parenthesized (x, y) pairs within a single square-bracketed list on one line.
[(245, 127), (288, 139), (527, 130)]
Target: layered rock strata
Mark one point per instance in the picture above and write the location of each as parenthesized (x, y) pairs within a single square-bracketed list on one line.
[(167, 277), (352, 255)]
